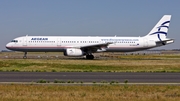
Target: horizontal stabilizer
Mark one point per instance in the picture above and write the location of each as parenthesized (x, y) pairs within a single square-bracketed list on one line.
[(164, 42)]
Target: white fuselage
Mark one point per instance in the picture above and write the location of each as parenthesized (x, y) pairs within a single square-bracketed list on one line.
[(61, 43)]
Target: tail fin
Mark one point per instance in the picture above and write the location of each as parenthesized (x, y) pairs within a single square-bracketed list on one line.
[(161, 28)]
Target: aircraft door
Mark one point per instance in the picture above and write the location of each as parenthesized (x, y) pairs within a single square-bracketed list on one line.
[(145, 42), (58, 41), (25, 41)]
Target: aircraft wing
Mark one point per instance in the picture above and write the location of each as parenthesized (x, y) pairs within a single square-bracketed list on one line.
[(95, 47)]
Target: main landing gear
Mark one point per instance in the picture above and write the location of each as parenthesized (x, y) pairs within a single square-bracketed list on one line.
[(90, 57), (25, 55)]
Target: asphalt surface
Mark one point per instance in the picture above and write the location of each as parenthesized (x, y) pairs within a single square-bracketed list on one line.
[(90, 77)]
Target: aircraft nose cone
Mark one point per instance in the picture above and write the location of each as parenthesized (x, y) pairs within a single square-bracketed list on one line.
[(8, 46)]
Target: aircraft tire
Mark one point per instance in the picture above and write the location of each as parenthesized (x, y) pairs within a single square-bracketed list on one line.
[(90, 57), (24, 57)]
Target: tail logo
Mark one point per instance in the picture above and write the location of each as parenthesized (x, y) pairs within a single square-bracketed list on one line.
[(163, 25)]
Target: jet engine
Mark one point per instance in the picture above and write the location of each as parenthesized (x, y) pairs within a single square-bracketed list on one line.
[(73, 52)]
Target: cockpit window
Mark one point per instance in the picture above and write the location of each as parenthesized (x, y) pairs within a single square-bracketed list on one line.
[(14, 41)]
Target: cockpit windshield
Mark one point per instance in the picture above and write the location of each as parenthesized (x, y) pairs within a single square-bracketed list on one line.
[(14, 41)]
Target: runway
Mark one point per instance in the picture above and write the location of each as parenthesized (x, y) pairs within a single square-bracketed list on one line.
[(90, 77)]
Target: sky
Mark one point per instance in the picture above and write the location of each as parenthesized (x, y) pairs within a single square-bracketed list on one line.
[(86, 18)]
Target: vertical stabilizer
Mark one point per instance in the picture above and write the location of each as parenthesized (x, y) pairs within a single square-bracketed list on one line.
[(160, 30)]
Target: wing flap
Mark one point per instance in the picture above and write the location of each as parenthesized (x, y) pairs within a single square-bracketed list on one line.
[(95, 47)]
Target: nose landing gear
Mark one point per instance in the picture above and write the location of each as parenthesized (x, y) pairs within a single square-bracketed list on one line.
[(25, 55)]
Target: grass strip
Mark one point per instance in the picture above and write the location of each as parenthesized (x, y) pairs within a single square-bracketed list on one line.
[(32, 92)]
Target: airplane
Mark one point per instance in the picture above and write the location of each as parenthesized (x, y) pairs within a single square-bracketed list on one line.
[(77, 46)]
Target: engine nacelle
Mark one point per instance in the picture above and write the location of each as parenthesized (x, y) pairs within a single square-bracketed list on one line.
[(73, 52)]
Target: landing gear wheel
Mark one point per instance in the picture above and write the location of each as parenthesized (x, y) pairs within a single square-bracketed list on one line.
[(91, 57)]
